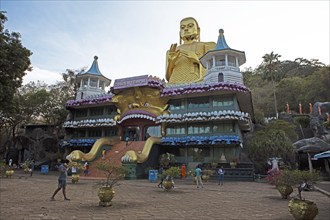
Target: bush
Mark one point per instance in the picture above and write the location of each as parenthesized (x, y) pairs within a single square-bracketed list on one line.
[(303, 121), (113, 172), (173, 172), (296, 177), (273, 177), (166, 159)]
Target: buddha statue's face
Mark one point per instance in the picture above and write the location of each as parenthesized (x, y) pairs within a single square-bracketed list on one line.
[(188, 29)]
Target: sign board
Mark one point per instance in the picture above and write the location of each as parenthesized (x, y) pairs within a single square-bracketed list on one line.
[(131, 82)]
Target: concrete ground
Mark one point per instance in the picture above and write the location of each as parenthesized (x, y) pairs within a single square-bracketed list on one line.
[(25, 197)]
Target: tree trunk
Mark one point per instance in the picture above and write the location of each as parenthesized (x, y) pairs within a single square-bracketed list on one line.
[(326, 165), (275, 100), (310, 163)]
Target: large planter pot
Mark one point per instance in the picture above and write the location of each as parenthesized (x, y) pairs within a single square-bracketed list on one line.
[(9, 173), (233, 164), (26, 170), (168, 184), (75, 178), (285, 191), (303, 209), (105, 195), (205, 177)]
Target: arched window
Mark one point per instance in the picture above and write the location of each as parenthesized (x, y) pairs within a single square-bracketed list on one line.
[(220, 77)]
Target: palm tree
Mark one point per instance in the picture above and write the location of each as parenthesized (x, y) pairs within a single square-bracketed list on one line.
[(270, 66)]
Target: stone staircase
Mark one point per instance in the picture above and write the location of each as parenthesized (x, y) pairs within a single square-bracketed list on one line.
[(115, 154)]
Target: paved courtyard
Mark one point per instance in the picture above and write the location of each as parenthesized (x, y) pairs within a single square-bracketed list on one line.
[(25, 197)]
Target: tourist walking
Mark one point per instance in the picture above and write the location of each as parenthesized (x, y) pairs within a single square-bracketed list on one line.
[(198, 173), (62, 179), (221, 174)]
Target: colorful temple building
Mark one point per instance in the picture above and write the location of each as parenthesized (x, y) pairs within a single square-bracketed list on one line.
[(200, 114)]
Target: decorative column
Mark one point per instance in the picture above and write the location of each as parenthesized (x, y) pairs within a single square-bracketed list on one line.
[(226, 59)]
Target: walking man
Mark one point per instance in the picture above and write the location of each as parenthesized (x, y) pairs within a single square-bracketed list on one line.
[(62, 179), (198, 172)]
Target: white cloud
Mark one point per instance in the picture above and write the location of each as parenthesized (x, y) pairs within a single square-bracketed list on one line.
[(131, 38), (37, 74)]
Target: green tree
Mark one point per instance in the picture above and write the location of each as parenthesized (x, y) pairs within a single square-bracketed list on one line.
[(291, 90), (14, 62), (270, 70), (317, 86), (275, 140)]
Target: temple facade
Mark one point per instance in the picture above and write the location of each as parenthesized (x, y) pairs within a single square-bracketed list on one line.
[(200, 122)]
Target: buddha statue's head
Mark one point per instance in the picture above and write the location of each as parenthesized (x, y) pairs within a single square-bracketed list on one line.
[(189, 30)]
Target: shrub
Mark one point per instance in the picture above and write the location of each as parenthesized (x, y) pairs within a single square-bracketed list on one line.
[(303, 121), (113, 172)]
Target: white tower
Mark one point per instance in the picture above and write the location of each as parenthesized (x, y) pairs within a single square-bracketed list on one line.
[(91, 82), (222, 63)]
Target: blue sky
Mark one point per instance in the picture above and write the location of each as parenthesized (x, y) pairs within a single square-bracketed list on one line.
[(131, 37)]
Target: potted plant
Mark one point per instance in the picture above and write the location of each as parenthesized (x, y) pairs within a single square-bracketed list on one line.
[(299, 207), (170, 174), (206, 174), (6, 170), (9, 170), (285, 181), (193, 175), (214, 164), (75, 169), (166, 159), (26, 166), (113, 174)]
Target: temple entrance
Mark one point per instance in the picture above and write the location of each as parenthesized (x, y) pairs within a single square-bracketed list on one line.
[(132, 132)]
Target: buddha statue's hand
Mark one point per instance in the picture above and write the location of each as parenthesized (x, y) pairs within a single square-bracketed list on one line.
[(173, 54), (189, 54)]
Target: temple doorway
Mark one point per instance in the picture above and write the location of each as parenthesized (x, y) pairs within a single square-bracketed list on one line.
[(132, 132)]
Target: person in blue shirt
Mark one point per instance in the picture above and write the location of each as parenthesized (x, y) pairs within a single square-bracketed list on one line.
[(221, 174), (63, 167), (198, 173)]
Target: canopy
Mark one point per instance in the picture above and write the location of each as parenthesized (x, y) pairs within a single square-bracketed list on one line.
[(325, 154), (311, 145)]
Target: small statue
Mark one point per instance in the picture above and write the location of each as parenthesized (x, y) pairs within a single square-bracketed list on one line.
[(223, 158)]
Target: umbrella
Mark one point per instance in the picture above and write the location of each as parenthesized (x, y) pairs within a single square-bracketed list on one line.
[(311, 145), (325, 154), (310, 148)]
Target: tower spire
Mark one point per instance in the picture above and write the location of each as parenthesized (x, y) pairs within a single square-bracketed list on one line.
[(221, 44)]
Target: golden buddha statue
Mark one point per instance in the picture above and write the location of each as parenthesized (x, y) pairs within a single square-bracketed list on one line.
[(182, 62)]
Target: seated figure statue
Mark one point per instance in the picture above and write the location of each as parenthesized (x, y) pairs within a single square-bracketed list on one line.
[(182, 62)]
